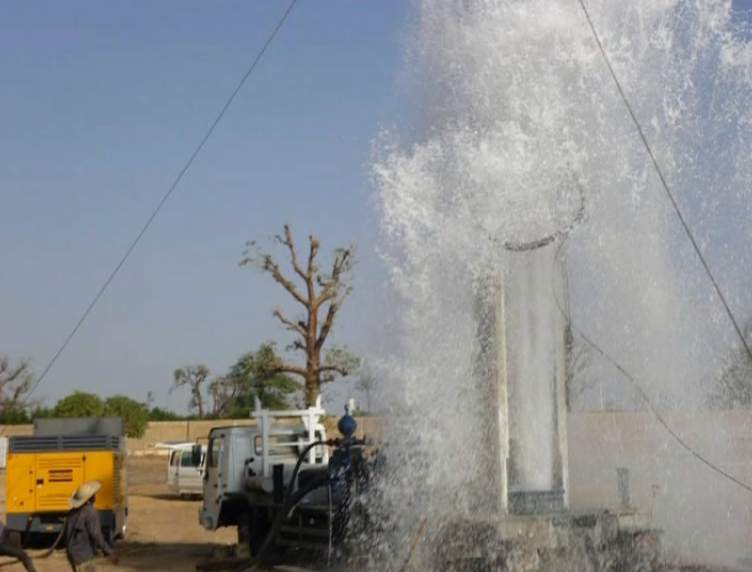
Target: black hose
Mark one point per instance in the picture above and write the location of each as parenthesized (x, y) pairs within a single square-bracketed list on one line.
[(271, 537), (54, 544), (45, 554), (290, 502), (248, 564)]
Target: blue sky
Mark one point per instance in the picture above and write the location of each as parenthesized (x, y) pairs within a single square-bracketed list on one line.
[(102, 103)]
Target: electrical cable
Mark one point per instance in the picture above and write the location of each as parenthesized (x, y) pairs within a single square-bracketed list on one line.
[(166, 196), (661, 420), (642, 392), (664, 184)]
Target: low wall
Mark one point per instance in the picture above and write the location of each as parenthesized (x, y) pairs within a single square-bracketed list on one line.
[(706, 516), (196, 430)]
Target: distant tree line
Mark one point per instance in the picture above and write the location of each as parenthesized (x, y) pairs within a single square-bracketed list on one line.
[(135, 415)]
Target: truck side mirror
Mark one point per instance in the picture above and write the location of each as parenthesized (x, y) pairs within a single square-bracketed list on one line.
[(196, 455)]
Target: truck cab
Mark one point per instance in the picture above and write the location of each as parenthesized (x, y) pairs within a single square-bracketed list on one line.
[(247, 467)]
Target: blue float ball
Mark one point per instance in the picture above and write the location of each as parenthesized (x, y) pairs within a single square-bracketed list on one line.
[(347, 426)]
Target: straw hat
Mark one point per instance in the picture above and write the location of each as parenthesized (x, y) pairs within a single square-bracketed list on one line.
[(84, 492)]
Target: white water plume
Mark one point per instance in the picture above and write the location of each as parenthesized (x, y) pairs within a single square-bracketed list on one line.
[(518, 123)]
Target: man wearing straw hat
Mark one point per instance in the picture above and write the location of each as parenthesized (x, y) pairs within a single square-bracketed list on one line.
[(83, 530)]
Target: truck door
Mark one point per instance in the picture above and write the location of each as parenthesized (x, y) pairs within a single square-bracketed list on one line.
[(213, 484)]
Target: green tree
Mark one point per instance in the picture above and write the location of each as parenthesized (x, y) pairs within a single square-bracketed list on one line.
[(159, 414), (255, 375), (366, 383), (315, 290), (40, 412), (14, 416), (134, 415), (79, 404)]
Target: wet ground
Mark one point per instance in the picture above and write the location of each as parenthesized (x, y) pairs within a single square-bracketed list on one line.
[(164, 533)]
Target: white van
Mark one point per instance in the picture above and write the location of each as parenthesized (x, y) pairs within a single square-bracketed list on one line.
[(183, 476)]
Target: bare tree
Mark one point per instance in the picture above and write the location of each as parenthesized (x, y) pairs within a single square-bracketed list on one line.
[(314, 290), (16, 381), (366, 383), (578, 361), (732, 389), (223, 391), (192, 377)]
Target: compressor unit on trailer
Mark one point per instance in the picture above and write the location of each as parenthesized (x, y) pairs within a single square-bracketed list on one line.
[(44, 470)]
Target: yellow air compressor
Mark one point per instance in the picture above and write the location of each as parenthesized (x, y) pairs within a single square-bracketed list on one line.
[(43, 471)]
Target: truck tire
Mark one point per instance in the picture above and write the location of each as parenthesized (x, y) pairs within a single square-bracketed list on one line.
[(252, 530)]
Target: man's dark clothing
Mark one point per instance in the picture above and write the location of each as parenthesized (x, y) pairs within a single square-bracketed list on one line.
[(7, 549), (83, 534)]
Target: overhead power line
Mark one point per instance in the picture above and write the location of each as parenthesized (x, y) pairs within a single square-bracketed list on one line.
[(665, 186), (166, 196), (697, 250), (660, 418)]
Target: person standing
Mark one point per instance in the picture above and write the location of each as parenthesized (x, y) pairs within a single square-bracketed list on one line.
[(8, 549), (83, 530)]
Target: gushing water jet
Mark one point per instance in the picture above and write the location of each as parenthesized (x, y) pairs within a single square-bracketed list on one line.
[(518, 103)]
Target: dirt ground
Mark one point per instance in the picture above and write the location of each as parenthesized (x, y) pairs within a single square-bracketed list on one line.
[(163, 531)]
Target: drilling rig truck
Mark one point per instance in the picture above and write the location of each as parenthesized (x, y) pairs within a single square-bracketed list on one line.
[(277, 481)]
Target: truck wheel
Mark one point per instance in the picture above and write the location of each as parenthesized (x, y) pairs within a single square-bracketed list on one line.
[(252, 530)]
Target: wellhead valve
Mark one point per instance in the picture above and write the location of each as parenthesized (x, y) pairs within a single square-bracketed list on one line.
[(347, 424)]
